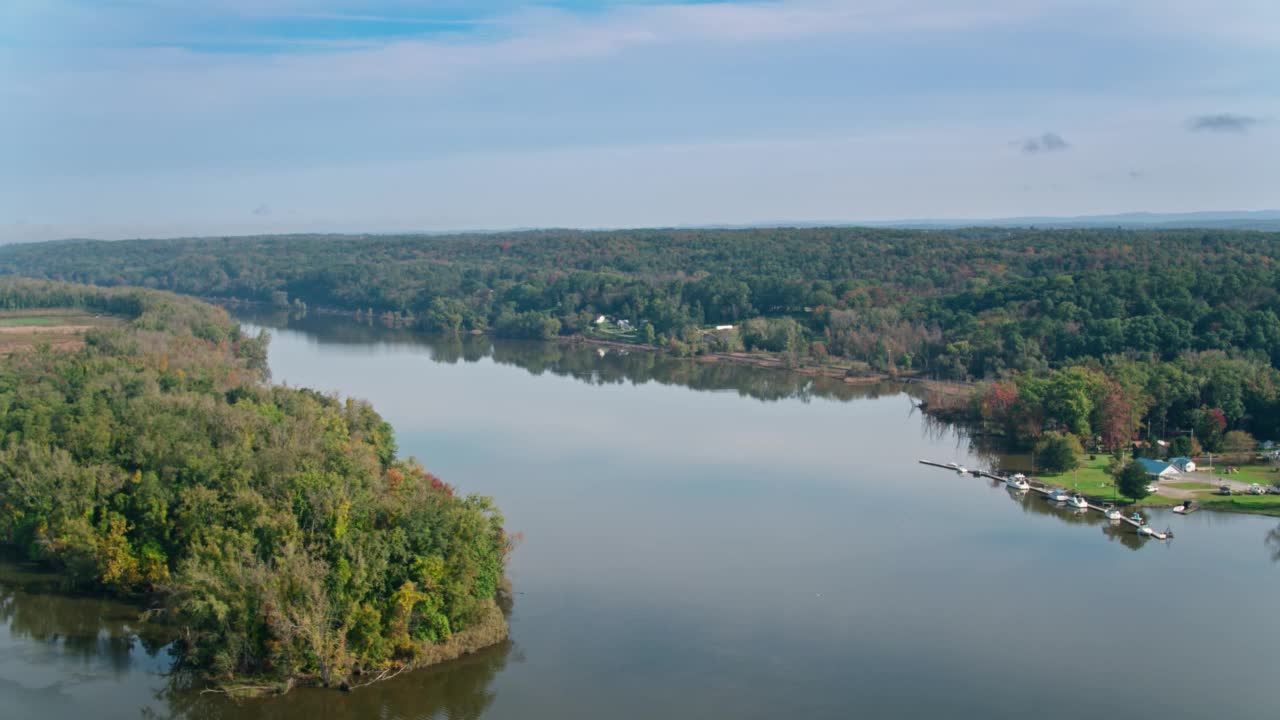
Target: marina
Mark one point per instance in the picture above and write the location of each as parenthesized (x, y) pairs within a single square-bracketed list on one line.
[(1020, 483)]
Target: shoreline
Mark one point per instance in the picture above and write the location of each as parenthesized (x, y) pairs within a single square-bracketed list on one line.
[(947, 402), (771, 361), (492, 630)]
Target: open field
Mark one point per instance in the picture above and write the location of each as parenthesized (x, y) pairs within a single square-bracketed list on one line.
[(60, 328), (1262, 504), (1262, 474), (1090, 478)]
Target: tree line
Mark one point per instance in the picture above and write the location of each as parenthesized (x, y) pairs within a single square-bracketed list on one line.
[(1012, 305)]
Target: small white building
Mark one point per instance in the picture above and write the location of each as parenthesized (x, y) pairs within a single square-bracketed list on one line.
[(602, 320), (1183, 464), (724, 327)]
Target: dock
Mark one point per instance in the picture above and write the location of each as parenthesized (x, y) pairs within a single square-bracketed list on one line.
[(1041, 488)]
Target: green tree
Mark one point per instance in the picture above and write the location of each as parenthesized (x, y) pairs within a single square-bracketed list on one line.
[(1057, 453), (1132, 481)]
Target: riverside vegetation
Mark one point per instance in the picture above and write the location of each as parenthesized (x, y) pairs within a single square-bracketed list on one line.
[(273, 527), (1106, 335)]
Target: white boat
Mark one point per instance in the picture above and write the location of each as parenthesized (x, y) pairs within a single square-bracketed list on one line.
[(1076, 501), (1057, 496), (1017, 482), (1186, 507), (1113, 514), (961, 469), (1146, 531)]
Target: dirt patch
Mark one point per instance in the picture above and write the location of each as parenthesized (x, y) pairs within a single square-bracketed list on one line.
[(59, 329)]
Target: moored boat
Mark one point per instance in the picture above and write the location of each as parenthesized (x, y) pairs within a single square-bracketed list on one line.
[(1017, 482), (1076, 501)]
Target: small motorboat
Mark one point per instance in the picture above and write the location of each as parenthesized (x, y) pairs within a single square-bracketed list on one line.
[(1078, 502), (1113, 514), (1186, 507), (961, 469), (1017, 482), (1137, 518), (1057, 496), (1145, 531)]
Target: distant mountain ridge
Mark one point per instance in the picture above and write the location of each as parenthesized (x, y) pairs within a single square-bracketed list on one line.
[(1232, 219), (1223, 220)]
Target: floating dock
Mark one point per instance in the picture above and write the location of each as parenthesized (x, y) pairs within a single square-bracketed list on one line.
[(1043, 489)]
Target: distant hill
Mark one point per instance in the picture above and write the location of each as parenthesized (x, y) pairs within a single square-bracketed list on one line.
[(1225, 220)]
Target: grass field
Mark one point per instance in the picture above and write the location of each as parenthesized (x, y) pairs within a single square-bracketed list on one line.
[(61, 328), (1261, 474), (1263, 504), (1090, 478)]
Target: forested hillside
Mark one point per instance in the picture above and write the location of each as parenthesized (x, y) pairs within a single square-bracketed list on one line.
[(274, 527), (954, 303), (1178, 320)]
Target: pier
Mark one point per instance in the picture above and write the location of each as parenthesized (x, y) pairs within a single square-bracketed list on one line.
[(1043, 489)]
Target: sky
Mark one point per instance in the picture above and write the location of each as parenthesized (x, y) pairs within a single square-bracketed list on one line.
[(155, 118)]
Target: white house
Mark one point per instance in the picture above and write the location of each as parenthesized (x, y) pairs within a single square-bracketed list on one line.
[(724, 327), (1183, 464), (602, 320)]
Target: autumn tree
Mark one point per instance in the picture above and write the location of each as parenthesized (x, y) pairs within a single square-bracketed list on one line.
[(1239, 442)]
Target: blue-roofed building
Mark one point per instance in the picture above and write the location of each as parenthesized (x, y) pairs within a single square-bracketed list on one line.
[(1183, 464), (1158, 469)]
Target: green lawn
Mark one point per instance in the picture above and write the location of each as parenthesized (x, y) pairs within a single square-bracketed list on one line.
[(1090, 478), (1190, 485), (1261, 474), (1263, 504), (29, 321)]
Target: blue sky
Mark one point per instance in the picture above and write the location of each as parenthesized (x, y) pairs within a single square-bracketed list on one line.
[(127, 118)]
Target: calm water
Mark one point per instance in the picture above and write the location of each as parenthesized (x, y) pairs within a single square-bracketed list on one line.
[(706, 541)]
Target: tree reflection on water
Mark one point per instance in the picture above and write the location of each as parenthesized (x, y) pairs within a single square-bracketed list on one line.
[(104, 638), (458, 690)]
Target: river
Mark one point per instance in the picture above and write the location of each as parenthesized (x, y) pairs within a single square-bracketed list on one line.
[(711, 541)]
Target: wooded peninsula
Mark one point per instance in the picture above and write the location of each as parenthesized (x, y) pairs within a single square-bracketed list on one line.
[(273, 527)]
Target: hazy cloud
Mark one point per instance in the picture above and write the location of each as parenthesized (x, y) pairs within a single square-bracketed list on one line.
[(1223, 122), (1048, 142), (262, 210)]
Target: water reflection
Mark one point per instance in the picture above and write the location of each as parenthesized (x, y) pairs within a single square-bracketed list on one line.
[(587, 363), (460, 690), (601, 366), (60, 649), (88, 630)]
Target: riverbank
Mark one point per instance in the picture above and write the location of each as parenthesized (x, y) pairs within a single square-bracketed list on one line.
[(489, 631), (949, 393), (1092, 480)]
